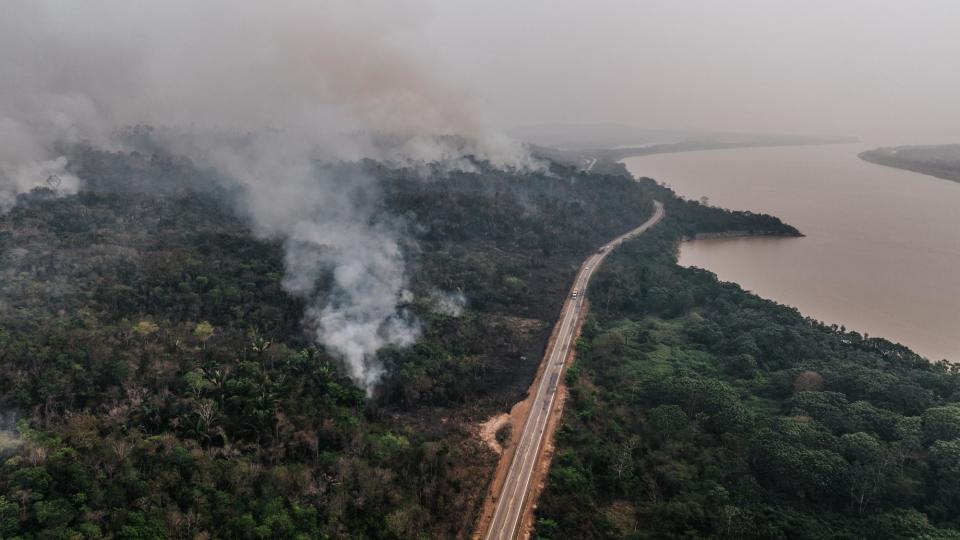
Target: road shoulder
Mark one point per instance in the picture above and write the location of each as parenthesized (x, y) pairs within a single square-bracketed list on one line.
[(519, 414), (542, 468)]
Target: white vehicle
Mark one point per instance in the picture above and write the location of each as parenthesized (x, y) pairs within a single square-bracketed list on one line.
[(575, 294)]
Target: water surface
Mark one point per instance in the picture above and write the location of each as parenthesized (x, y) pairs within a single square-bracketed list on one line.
[(882, 251)]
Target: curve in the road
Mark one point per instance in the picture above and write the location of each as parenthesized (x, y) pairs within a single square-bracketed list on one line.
[(512, 498)]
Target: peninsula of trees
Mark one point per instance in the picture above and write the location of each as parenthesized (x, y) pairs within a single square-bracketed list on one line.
[(699, 410)]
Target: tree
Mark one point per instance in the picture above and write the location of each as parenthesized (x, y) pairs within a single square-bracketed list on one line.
[(623, 460), (870, 462), (203, 331), (145, 328), (945, 461), (941, 423)]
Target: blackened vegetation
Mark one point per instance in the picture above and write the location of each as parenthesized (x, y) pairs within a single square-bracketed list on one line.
[(700, 410), (165, 388)]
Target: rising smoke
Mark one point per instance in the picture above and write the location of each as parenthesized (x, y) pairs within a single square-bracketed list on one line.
[(295, 76)]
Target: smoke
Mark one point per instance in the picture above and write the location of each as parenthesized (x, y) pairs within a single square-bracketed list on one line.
[(449, 303), (295, 77), (341, 255), (20, 176)]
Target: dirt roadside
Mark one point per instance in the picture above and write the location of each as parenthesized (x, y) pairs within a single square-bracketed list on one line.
[(542, 469), (517, 418)]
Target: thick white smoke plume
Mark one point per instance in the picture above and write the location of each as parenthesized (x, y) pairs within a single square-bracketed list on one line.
[(326, 217), (295, 76), (20, 176)]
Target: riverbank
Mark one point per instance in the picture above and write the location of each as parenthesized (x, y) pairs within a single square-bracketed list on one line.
[(791, 428), (743, 234), (887, 158), (617, 154), (880, 247)]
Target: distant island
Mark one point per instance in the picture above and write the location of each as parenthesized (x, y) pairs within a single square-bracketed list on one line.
[(941, 161)]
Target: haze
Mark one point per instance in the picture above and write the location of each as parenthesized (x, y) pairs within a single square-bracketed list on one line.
[(326, 80), (855, 67)]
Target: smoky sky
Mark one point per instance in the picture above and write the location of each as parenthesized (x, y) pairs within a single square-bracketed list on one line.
[(326, 80), (857, 67), (813, 66)]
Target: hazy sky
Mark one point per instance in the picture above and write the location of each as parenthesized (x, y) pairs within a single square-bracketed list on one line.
[(858, 67), (335, 75), (849, 67)]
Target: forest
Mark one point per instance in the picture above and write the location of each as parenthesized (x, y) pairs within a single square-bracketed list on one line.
[(156, 382), (699, 410)]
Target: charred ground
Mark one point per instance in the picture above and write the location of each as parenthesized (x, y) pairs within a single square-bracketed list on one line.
[(161, 383)]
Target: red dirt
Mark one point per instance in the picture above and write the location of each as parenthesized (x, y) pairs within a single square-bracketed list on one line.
[(518, 417)]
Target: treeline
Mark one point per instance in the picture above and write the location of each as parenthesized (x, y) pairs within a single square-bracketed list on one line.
[(699, 410)]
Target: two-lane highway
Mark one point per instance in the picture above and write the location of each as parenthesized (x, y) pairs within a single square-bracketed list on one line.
[(513, 496)]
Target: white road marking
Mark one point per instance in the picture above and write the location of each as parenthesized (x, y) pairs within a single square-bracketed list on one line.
[(508, 510)]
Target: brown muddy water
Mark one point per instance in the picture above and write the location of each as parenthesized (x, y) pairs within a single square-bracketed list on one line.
[(882, 248)]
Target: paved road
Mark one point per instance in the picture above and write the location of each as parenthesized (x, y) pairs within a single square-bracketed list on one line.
[(512, 497)]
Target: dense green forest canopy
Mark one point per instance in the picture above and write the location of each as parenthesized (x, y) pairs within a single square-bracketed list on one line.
[(155, 380), (699, 410)]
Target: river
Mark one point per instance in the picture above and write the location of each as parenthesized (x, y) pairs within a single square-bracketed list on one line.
[(882, 248)]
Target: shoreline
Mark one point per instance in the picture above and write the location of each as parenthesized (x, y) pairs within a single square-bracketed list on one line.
[(879, 158), (931, 343), (619, 154), (741, 234)]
